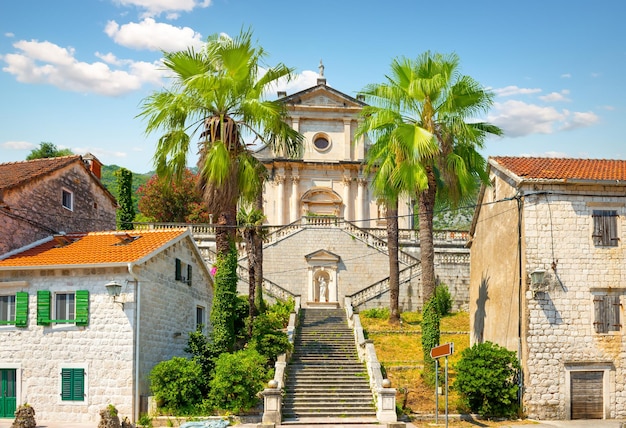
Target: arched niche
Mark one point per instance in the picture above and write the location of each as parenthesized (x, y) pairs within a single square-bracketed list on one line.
[(321, 201), (322, 277)]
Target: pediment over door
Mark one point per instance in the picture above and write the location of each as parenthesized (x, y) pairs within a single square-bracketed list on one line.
[(321, 201), (324, 257)]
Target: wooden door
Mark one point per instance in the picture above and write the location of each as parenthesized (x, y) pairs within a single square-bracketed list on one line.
[(586, 394), (7, 393)]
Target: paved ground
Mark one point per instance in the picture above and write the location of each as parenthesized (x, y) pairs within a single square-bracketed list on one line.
[(595, 423)]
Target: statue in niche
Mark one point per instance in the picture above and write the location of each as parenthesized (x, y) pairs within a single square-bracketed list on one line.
[(323, 287)]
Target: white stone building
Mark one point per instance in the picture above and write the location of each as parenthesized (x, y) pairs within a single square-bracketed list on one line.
[(548, 280), (68, 347)]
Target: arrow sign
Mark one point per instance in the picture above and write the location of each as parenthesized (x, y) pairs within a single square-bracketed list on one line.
[(442, 350)]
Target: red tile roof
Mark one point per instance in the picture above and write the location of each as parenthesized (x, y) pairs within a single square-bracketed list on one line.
[(94, 248), (15, 173), (564, 169)]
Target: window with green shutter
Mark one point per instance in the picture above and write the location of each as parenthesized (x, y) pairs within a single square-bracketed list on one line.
[(43, 307), (73, 384), (178, 274), (7, 309), (189, 274), (82, 307)]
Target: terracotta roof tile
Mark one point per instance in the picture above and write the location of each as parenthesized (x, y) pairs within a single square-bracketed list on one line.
[(532, 168), (15, 173), (93, 248)]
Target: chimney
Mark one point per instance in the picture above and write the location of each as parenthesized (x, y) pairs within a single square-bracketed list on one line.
[(282, 94), (94, 165)]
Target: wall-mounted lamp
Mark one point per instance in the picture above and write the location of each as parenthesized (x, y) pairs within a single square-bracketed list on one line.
[(538, 281), (114, 289)]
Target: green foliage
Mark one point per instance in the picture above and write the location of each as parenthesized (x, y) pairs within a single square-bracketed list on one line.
[(112, 410), (443, 299), (126, 212), (177, 383), (203, 353), (223, 313), (175, 201), (145, 421), (109, 180), (376, 313), (238, 378), (47, 150), (279, 312), (430, 338), (268, 339), (487, 377)]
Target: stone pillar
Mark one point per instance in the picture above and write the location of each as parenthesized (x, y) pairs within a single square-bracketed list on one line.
[(360, 202), (347, 200), (272, 403), (386, 405), (294, 212), (280, 196), (346, 139)]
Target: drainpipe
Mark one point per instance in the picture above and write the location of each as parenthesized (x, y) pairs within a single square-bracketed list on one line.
[(518, 198), (137, 397)]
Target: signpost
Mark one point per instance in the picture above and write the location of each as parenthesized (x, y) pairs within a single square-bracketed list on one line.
[(435, 353)]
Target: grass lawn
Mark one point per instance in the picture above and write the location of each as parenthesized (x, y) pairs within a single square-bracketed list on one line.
[(399, 350)]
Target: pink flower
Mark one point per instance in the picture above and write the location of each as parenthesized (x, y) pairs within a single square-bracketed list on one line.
[(213, 270)]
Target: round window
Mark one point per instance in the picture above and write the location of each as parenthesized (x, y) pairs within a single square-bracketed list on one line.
[(321, 143)]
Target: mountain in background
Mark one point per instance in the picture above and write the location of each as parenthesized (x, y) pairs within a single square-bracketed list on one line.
[(110, 182)]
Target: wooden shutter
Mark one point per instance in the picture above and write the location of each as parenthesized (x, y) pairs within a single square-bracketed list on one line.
[(21, 309), (179, 273), (613, 310), (82, 307), (43, 307), (189, 272), (605, 228), (72, 384)]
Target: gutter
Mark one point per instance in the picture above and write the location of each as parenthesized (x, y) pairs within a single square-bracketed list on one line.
[(136, 398)]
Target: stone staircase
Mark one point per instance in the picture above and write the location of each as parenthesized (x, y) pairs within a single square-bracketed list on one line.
[(325, 380)]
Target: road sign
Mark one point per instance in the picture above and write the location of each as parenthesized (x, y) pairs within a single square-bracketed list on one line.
[(442, 350)]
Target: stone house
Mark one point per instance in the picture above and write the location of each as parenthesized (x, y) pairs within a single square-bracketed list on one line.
[(84, 317), (548, 280), (47, 196)]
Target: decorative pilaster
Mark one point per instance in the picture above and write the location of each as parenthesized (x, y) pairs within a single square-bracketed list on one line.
[(295, 197), (347, 200), (279, 179), (360, 202), (346, 139)]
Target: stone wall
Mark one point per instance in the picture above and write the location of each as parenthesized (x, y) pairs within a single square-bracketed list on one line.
[(34, 210)]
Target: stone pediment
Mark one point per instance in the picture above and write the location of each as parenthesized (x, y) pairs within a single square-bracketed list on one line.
[(322, 96), (322, 256)]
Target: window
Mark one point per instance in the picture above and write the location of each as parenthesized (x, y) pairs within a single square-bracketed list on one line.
[(606, 309), (605, 228), (68, 200), (69, 308), (321, 142), (184, 272), (14, 309), (73, 384), (200, 317)]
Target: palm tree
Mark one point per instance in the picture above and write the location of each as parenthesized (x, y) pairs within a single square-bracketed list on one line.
[(426, 112), (216, 98)]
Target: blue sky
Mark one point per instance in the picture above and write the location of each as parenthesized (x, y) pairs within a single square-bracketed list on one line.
[(74, 72)]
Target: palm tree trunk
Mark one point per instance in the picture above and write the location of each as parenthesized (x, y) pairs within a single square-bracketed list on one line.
[(394, 269), (225, 230), (426, 203)]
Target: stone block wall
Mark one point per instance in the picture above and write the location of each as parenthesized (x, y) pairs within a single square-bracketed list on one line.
[(34, 210)]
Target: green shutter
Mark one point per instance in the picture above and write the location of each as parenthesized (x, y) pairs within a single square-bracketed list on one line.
[(72, 384), (43, 307), (82, 307), (189, 272), (21, 309), (178, 275)]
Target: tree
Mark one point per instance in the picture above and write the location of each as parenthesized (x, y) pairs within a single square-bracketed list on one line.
[(173, 202), (426, 110), (217, 98), (47, 150), (250, 221), (126, 212)]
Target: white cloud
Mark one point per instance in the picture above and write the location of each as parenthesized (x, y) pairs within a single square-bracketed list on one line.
[(100, 152), (46, 63), (170, 7), (515, 90), (556, 96), (152, 35), (566, 75), (109, 58), (9, 34), (18, 145), (518, 119)]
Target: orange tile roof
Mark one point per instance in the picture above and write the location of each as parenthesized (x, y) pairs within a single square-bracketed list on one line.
[(15, 173), (564, 168), (94, 248)]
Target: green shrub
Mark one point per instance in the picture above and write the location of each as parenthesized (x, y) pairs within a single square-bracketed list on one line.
[(223, 313), (177, 383), (238, 378), (443, 300), (376, 313), (430, 338), (280, 312), (268, 339), (486, 378), (204, 353)]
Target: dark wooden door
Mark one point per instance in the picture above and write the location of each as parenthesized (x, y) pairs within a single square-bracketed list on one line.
[(586, 394)]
